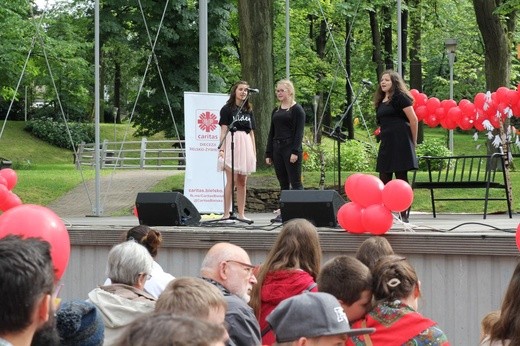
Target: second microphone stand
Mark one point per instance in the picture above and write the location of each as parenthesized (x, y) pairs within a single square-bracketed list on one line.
[(339, 137)]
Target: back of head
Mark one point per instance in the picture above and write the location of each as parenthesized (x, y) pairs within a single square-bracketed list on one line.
[(126, 261), (508, 324), (310, 315), (372, 249), (146, 236), (160, 329), (27, 274), (394, 278), (296, 246), (345, 278), (189, 296), (79, 324)]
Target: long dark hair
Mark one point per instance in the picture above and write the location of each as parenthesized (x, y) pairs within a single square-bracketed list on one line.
[(297, 246), (508, 324), (231, 102), (398, 86)]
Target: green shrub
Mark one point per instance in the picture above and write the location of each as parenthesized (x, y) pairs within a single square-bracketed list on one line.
[(355, 157), (432, 147), (56, 133)]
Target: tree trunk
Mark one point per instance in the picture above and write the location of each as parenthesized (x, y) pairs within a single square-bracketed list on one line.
[(376, 42), (495, 35), (415, 56), (256, 53), (117, 92), (386, 18)]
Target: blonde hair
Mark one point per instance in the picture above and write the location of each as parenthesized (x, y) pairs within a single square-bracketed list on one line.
[(190, 296), (289, 86)]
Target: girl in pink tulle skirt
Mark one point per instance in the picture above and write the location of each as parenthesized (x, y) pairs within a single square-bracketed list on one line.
[(237, 116)]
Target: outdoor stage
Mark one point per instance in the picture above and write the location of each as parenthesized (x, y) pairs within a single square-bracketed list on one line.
[(463, 261)]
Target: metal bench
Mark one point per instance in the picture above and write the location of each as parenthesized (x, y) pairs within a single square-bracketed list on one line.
[(464, 172)]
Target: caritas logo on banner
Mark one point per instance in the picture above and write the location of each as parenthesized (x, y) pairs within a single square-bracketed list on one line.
[(203, 185)]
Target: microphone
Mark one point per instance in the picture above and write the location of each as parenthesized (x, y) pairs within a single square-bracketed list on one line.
[(366, 82), (251, 90)]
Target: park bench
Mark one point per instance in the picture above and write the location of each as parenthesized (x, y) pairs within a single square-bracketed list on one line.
[(483, 172)]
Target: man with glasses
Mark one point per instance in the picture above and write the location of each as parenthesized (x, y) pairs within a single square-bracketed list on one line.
[(228, 267)]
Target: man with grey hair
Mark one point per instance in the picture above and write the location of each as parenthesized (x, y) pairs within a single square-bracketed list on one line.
[(129, 266), (228, 267)]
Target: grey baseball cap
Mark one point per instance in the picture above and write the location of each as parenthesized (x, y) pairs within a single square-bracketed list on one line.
[(310, 315)]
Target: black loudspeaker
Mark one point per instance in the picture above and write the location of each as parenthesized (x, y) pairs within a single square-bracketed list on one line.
[(318, 206), (165, 209)]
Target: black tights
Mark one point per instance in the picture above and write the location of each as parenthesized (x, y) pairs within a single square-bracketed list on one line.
[(403, 175)]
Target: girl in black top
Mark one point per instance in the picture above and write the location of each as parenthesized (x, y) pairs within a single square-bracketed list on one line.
[(398, 122), (284, 143), (242, 124)]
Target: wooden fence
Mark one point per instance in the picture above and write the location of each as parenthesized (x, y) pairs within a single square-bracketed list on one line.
[(141, 154)]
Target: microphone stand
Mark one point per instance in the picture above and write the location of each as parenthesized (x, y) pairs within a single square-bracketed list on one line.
[(338, 136), (231, 128)]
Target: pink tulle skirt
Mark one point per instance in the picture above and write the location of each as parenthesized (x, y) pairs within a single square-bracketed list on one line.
[(245, 155)]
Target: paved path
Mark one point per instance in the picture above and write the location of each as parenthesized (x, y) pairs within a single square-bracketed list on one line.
[(118, 192)]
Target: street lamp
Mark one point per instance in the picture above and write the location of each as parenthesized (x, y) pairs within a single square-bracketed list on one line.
[(451, 46), (315, 102)]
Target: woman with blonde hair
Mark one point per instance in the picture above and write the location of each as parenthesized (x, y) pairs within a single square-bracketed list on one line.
[(291, 268), (284, 142)]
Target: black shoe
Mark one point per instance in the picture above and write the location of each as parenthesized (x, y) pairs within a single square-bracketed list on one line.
[(278, 218)]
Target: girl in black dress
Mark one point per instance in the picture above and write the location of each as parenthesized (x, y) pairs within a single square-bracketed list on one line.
[(398, 122)]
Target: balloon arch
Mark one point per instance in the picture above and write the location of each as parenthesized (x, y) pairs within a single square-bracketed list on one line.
[(487, 112)]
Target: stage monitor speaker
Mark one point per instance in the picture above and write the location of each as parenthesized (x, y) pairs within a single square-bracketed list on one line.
[(318, 206), (165, 209)]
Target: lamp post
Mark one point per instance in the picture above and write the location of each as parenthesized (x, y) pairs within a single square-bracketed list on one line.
[(315, 101), (451, 46)]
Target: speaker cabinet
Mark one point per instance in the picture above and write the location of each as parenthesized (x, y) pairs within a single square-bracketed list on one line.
[(165, 209), (318, 206)]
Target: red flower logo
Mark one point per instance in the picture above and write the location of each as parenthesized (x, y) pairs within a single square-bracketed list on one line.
[(207, 121)]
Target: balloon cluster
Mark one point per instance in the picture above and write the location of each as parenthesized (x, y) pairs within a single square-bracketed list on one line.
[(8, 180), (29, 220), (486, 112), (372, 203)]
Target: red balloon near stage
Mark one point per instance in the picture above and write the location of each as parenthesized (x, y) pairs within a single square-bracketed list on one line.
[(29, 220)]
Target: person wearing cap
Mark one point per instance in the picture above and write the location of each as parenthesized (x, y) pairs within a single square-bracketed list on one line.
[(396, 291), (311, 319), (229, 268)]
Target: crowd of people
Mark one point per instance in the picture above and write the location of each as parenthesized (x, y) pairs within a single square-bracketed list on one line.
[(290, 299)]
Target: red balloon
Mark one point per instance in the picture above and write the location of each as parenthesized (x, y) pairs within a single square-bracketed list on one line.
[(518, 236), (368, 190), (350, 185), (3, 181), (479, 100), (10, 177), (11, 200), (377, 219), (134, 211), (502, 93), (349, 217), (433, 120), (421, 112), (397, 195), (448, 104), (432, 104), (29, 220)]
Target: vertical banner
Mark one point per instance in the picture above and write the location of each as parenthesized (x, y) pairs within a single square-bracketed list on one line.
[(203, 185)]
